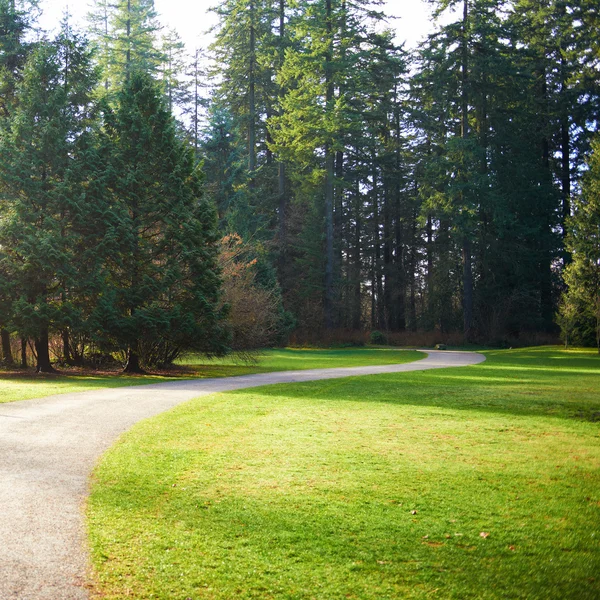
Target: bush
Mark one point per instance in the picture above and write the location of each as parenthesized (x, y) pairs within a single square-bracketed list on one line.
[(255, 315), (379, 338)]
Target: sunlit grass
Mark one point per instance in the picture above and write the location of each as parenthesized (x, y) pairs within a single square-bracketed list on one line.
[(478, 482), (23, 388), (285, 359), (14, 388)]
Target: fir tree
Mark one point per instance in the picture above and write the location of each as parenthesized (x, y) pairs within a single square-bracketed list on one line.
[(41, 167), (125, 33), (163, 285), (579, 314)]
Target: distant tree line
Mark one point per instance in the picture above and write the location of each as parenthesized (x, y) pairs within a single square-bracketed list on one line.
[(355, 186), (435, 190)]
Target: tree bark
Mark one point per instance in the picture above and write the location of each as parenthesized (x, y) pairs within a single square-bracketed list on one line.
[(468, 289), (281, 165), (6, 349), (67, 355), (23, 353), (133, 363), (252, 98), (429, 279), (329, 183), (43, 354), (466, 251), (356, 263)]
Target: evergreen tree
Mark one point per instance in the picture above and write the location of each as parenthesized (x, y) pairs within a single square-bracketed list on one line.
[(173, 71), (163, 281), (41, 167), (15, 20), (328, 42), (579, 314), (125, 33), (226, 179)]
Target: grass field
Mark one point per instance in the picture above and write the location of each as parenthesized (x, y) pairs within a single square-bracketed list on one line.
[(22, 387), (477, 482)]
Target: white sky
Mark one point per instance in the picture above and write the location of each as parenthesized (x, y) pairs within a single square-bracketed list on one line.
[(191, 18)]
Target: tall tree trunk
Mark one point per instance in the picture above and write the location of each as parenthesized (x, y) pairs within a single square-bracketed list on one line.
[(379, 320), (545, 265), (466, 250), (43, 353), (388, 271), (399, 294), (356, 262), (429, 278), (133, 363), (329, 252), (444, 299), (6, 349), (413, 273), (281, 165), (67, 355), (282, 204), (329, 183), (468, 289), (400, 276), (23, 353), (565, 175), (252, 97)]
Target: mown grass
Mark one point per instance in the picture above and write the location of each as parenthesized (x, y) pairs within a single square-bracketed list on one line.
[(478, 482), (287, 359), (23, 386)]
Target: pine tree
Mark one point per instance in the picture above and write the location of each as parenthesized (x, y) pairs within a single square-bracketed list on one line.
[(125, 33), (173, 71), (163, 281), (15, 21), (579, 314), (40, 167), (226, 178), (317, 120)]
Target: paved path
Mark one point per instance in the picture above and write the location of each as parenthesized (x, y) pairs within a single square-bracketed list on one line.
[(49, 446)]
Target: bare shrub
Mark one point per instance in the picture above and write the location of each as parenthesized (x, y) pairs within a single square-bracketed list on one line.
[(254, 311)]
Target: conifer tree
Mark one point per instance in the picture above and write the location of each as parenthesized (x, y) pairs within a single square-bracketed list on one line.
[(15, 20), (579, 314), (163, 281), (318, 122), (125, 33), (172, 71), (40, 168)]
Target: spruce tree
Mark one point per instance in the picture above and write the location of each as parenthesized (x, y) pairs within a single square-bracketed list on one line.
[(162, 287), (40, 168), (125, 33), (172, 71), (579, 314)]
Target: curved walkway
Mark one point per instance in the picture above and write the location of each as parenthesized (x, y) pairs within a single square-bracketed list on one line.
[(49, 446)]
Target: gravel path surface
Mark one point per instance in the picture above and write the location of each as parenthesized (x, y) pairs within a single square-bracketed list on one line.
[(49, 446)]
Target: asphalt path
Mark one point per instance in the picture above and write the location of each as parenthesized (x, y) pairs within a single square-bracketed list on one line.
[(49, 446)]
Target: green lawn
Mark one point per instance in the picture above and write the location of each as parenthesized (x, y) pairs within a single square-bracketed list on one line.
[(476, 482), (289, 359), (25, 387)]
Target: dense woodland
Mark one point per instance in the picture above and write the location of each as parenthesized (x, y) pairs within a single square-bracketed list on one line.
[(305, 174)]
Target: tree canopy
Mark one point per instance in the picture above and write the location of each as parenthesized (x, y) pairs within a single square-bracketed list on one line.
[(448, 190)]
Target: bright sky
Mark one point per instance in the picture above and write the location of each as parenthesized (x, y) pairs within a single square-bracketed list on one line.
[(191, 18)]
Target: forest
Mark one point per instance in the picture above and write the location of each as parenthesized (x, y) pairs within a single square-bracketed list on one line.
[(305, 177)]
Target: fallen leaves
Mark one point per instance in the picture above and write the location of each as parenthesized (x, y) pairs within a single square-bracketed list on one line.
[(484, 534), (433, 544)]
